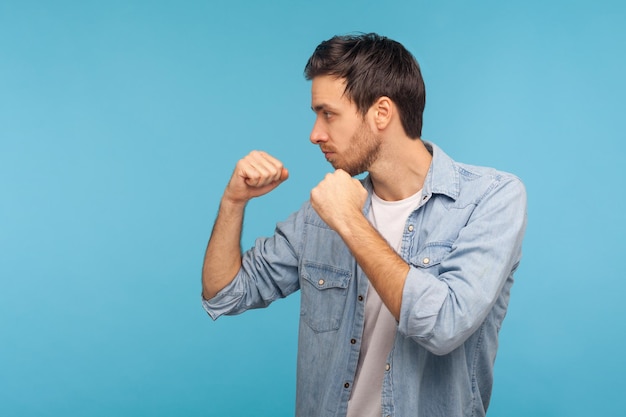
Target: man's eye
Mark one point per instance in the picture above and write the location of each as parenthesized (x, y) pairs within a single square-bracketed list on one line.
[(327, 114)]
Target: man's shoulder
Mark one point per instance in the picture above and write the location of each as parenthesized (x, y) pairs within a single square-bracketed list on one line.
[(483, 182), (474, 181), (306, 214), (470, 172)]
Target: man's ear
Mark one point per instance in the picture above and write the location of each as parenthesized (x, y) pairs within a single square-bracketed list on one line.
[(382, 112)]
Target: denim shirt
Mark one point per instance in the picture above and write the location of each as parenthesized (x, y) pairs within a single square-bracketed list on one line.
[(462, 244)]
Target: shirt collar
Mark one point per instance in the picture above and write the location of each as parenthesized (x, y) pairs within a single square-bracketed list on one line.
[(442, 177)]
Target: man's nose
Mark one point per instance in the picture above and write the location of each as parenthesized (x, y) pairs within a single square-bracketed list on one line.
[(318, 135)]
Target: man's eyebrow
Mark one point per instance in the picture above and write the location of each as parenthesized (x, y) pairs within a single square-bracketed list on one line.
[(320, 107)]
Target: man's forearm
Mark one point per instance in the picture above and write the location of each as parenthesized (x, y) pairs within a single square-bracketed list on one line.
[(222, 259), (339, 200), (385, 269), (255, 175)]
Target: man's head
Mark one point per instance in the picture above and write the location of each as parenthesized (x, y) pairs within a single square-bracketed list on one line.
[(373, 66)]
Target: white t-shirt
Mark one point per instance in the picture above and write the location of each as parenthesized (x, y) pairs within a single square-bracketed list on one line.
[(379, 331)]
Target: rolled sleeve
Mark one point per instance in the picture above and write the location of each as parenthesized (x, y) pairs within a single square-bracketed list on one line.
[(225, 301), (444, 304), (269, 271), (422, 298)]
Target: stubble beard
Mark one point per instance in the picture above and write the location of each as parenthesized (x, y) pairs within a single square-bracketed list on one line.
[(362, 153)]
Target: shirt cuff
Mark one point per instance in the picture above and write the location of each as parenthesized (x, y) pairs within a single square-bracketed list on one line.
[(224, 301), (422, 298)]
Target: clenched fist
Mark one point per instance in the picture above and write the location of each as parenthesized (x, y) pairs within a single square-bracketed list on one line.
[(256, 174), (338, 198)]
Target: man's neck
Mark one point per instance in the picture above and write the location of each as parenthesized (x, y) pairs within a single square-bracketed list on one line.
[(401, 169)]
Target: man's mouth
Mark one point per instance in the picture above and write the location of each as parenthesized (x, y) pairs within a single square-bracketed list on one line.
[(328, 153)]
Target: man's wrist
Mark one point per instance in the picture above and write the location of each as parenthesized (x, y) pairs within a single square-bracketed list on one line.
[(228, 203)]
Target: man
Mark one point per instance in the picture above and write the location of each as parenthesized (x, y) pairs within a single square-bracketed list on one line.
[(404, 276)]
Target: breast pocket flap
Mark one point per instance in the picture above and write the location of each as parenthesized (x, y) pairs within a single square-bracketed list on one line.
[(325, 276), (432, 254)]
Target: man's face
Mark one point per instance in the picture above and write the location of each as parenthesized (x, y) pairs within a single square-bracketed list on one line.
[(340, 131)]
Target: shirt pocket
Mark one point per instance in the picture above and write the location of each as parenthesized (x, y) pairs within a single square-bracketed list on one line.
[(431, 255), (323, 295)]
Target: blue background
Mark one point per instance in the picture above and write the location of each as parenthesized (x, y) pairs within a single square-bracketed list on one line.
[(121, 121)]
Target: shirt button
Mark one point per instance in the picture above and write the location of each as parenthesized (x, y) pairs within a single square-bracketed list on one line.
[(411, 228), (353, 341), (346, 385), (426, 261), (387, 367), (320, 282), (360, 298)]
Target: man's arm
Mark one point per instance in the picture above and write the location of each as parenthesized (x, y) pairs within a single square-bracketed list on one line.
[(256, 174), (438, 311), (339, 201), (385, 269)]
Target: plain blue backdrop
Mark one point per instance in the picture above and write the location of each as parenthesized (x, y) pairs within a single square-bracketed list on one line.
[(121, 121)]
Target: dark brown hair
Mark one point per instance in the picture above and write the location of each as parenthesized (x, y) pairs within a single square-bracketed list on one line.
[(374, 66)]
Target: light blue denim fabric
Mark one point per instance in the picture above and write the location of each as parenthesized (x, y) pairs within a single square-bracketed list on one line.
[(463, 244)]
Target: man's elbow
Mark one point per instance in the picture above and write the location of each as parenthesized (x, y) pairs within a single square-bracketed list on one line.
[(442, 343)]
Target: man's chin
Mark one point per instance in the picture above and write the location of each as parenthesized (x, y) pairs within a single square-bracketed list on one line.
[(352, 171)]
